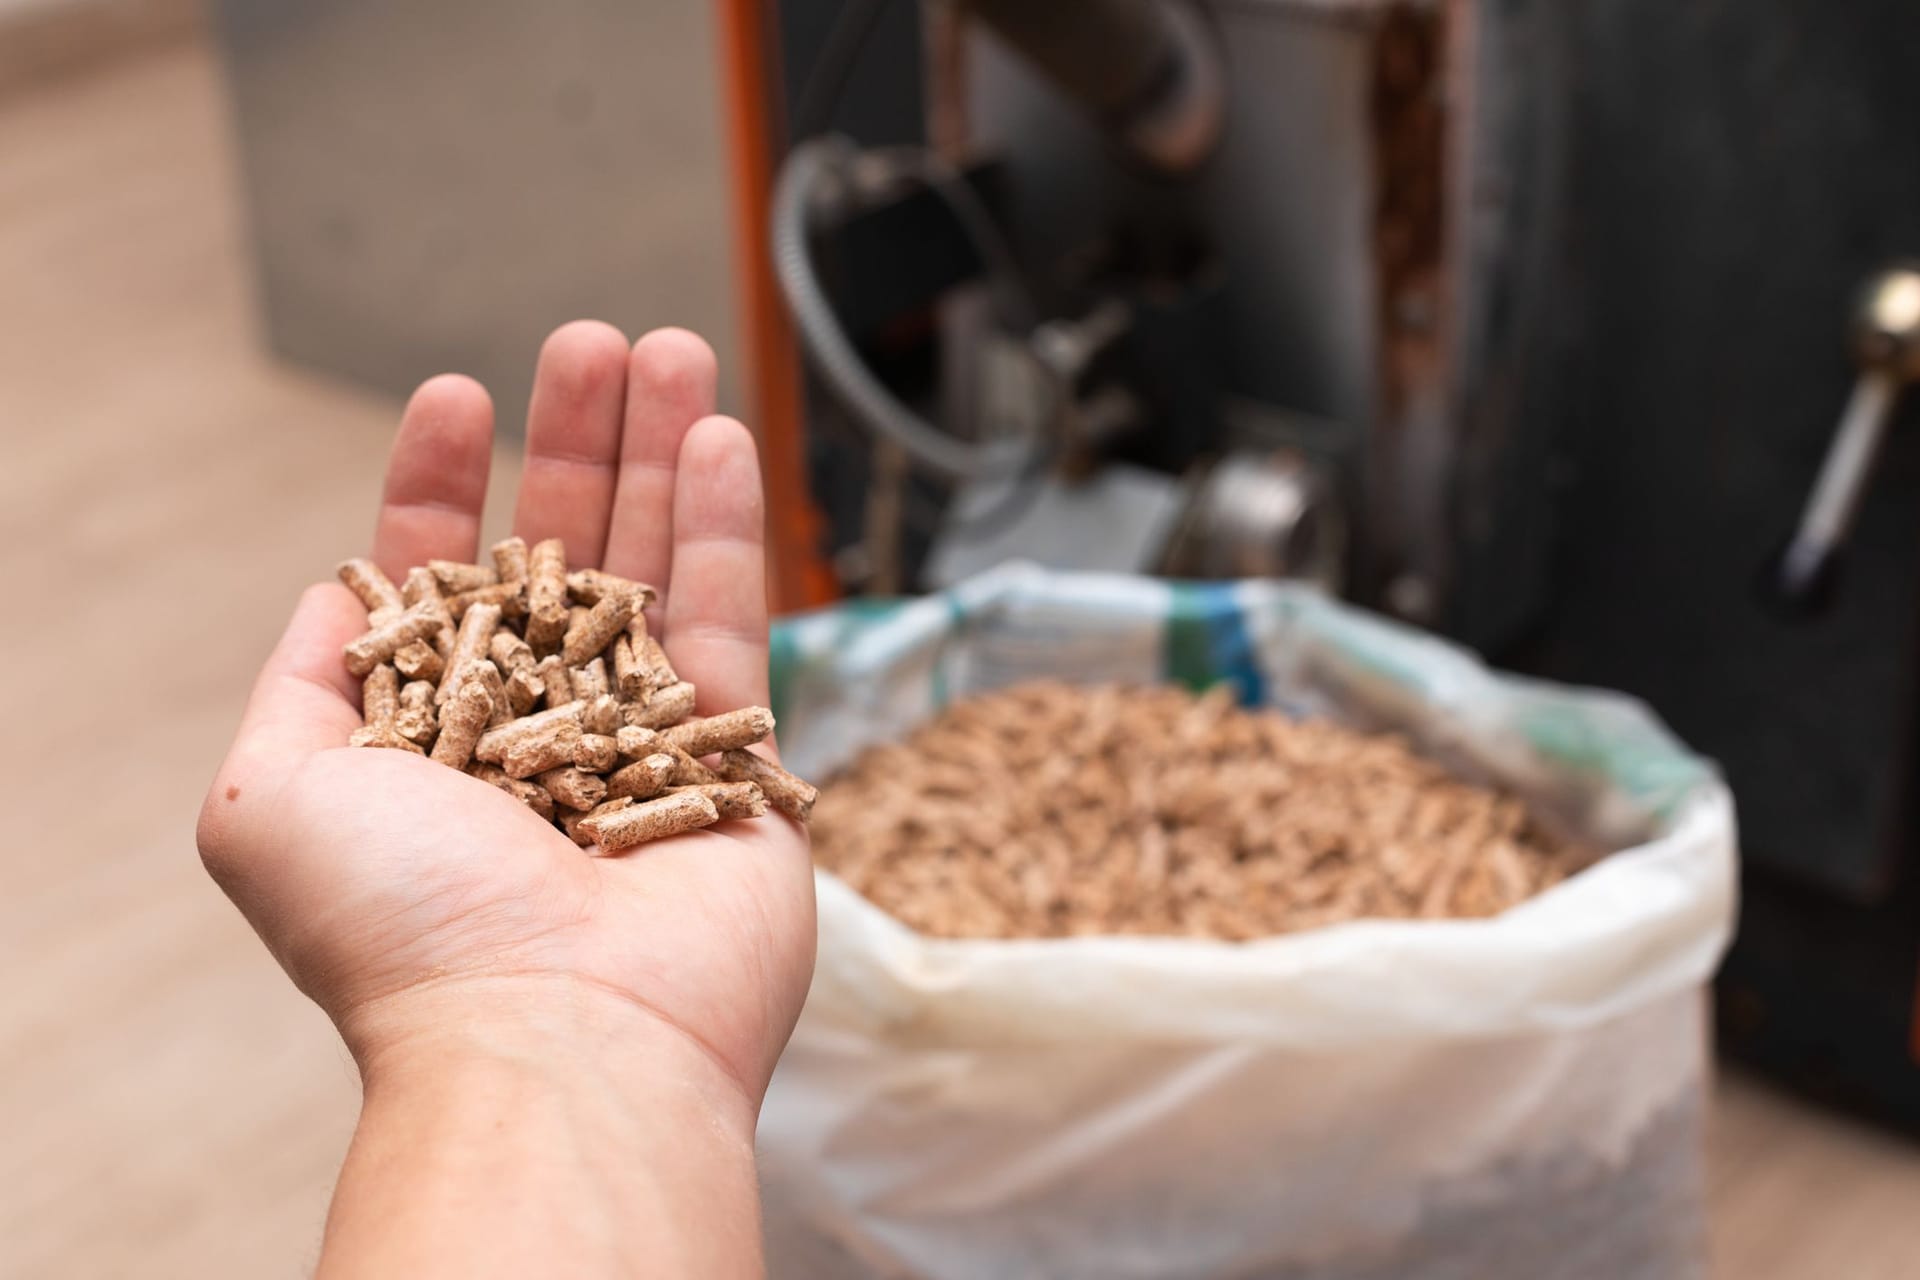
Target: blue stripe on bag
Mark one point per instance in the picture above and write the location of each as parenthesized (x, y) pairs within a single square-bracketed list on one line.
[(1207, 642)]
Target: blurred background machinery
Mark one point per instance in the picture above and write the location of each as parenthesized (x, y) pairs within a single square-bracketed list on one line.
[(1573, 329), (1530, 322)]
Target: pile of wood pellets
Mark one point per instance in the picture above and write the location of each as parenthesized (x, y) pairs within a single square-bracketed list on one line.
[(548, 685), (1051, 810)]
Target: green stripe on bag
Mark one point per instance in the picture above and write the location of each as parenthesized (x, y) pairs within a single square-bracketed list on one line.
[(783, 657)]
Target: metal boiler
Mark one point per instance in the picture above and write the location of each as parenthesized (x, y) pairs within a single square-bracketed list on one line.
[(1538, 322)]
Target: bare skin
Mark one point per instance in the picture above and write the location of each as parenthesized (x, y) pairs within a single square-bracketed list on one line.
[(562, 1056)]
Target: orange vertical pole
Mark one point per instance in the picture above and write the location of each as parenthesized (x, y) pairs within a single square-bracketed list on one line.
[(800, 578)]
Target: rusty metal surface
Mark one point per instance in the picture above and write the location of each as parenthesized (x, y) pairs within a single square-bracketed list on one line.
[(1404, 555)]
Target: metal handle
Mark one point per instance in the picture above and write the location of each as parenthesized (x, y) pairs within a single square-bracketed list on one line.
[(1887, 348)]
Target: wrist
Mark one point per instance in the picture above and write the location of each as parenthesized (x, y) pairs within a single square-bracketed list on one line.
[(519, 1126), (567, 1031)]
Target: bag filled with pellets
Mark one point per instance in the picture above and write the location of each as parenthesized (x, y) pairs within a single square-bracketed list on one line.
[(1181, 930)]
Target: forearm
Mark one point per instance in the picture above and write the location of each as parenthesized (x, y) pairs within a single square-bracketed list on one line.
[(550, 1140)]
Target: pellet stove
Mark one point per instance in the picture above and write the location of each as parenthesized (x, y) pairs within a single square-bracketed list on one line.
[(1574, 329)]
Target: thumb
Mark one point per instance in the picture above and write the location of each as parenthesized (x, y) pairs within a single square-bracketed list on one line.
[(303, 702)]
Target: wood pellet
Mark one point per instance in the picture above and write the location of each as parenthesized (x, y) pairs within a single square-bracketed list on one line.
[(546, 685), (1051, 810)]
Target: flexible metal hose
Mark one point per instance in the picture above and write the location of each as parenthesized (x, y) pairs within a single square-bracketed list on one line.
[(833, 355)]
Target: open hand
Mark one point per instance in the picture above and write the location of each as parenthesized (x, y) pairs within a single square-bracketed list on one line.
[(404, 896)]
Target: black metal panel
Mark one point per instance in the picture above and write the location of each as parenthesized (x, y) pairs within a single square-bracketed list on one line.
[(1514, 320), (1735, 171), (1672, 374), (882, 101), (899, 255), (1820, 992)]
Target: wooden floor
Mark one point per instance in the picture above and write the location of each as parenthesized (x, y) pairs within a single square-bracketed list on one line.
[(168, 1105)]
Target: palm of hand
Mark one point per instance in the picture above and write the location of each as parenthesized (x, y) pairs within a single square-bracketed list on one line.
[(371, 873)]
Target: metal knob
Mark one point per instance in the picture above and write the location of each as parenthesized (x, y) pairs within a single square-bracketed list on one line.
[(1886, 345)]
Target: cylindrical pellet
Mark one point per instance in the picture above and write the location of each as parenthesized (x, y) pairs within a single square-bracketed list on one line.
[(574, 788), (588, 635), (548, 749), (489, 675), (602, 715), (590, 681), (462, 720), (368, 581), (515, 660), (663, 707), (509, 652), (571, 821), (456, 576), (590, 586), (469, 645), (365, 652), (734, 800), (418, 660), (651, 658), (380, 697), (644, 777), (788, 794), (383, 737), (687, 771), (494, 743), (421, 590), (633, 742), (510, 559), (651, 820), (556, 680), (509, 597), (421, 586), (596, 753), (523, 690), (417, 719), (546, 595), (723, 732), (629, 677)]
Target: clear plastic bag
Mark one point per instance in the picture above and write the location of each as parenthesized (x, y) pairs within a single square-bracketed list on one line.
[(1518, 1096)]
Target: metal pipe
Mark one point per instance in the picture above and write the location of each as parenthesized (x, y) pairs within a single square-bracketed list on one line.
[(1149, 70)]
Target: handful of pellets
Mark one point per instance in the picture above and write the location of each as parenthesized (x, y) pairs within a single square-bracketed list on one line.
[(547, 684), (1049, 810)]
